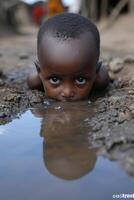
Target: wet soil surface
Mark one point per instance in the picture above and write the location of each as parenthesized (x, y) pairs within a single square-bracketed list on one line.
[(112, 126)]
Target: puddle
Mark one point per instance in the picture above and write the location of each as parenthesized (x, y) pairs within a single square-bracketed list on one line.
[(46, 154)]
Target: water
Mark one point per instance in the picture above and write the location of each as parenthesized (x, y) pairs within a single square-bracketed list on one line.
[(46, 154)]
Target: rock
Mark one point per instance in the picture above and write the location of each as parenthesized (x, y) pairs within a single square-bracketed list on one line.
[(116, 65), (23, 56), (1, 73), (131, 92), (1, 82), (3, 115), (128, 162), (123, 117), (131, 107), (129, 59), (111, 75), (114, 99), (12, 97), (132, 113), (131, 82), (114, 113), (97, 127)]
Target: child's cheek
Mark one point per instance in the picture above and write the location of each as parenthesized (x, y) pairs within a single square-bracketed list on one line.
[(50, 91), (85, 92)]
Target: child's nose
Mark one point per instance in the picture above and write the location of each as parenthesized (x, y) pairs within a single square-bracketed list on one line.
[(68, 92)]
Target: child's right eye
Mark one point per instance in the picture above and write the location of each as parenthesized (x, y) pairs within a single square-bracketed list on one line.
[(54, 80)]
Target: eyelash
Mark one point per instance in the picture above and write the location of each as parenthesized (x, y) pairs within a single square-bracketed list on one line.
[(52, 81), (79, 82), (57, 82)]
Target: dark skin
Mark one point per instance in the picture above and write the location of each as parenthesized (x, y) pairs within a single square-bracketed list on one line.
[(67, 70)]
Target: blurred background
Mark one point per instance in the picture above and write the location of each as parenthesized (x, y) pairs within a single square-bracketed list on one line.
[(15, 13), (20, 21)]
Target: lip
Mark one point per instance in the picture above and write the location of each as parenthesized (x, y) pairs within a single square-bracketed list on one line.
[(68, 99)]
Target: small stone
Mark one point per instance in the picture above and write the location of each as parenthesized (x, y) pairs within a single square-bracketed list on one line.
[(116, 65), (131, 107), (129, 59), (111, 75), (131, 92), (23, 56), (132, 113), (20, 64), (131, 82), (114, 113), (12, 97), (1, 82), (2, 115), (114, 99), (97, 127), (123, 117), (1, 73)]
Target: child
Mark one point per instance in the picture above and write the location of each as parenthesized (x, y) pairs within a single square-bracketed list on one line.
[(68, 53)]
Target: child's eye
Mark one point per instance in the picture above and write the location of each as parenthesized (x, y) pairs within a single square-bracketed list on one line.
[(54, 80), (80, 81)]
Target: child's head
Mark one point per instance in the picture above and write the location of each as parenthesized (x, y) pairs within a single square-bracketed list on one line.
[(68, 53)]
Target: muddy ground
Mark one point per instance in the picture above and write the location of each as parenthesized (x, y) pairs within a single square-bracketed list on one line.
[(113, 126)]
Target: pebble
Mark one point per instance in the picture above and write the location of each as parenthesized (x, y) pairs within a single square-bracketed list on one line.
[(46, 103), (132, 112), (1, 73), (12, 97), (131, 107), (129, 59), (1, 82), (114, 113), (114, 99), (3, 115), (131, 92), (96, 127), (23, 56), (123, 117), (57, 108), (116, 65), (111, 75), (131, 82)]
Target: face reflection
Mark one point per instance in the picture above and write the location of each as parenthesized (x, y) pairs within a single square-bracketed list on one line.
[(67, 152), (67, 68)]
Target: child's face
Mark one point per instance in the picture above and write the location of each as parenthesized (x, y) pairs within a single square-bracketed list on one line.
[(67, 68)]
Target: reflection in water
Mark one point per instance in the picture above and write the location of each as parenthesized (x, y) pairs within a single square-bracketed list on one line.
[(66, 149), (67, 155)]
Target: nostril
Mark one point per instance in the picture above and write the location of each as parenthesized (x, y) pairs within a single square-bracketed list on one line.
[(67, 94)]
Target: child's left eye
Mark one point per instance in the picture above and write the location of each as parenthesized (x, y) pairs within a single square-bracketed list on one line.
[(55, 80), (80, 81)]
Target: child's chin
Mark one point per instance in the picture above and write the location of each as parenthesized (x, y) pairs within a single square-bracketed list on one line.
[(68, 99)]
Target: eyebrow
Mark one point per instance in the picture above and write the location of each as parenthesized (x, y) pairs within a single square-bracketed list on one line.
[(53, 75), (83, 74)]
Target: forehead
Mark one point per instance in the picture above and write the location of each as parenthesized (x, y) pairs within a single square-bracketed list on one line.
[(70, 54)]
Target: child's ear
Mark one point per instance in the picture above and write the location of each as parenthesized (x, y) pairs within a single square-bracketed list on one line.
[(98, 69), (102, 77), (37, 65), (99, 64)]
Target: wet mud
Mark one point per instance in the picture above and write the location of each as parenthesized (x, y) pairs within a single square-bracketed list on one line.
[(113, 123)]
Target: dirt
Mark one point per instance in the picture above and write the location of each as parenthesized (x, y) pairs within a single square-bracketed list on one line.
[(17, 55), (112, 127)]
